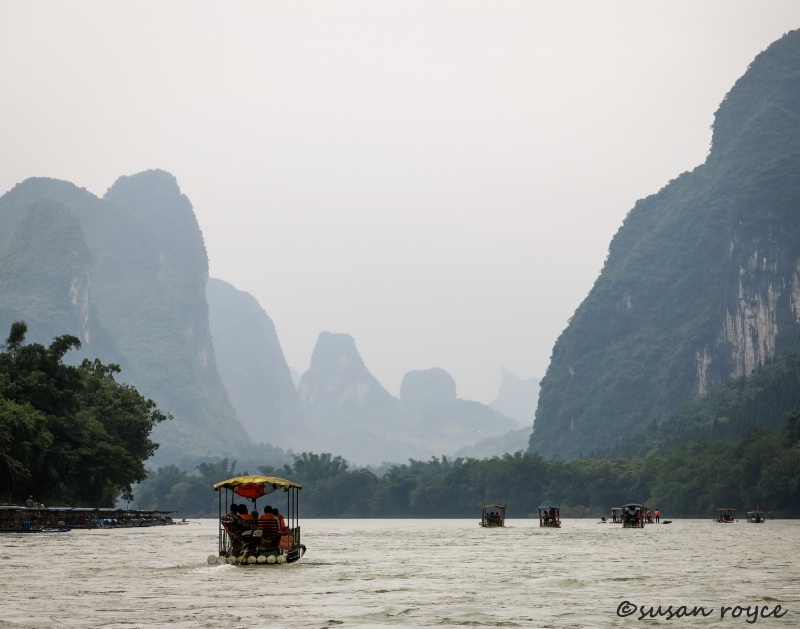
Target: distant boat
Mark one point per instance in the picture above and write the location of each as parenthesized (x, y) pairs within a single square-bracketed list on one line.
[(492, 518), (633, 516), (550, 516), (725, 515), (756, 516)]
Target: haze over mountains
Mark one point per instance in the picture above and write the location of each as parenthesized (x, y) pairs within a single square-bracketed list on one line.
[(128, 275), (701, 285)]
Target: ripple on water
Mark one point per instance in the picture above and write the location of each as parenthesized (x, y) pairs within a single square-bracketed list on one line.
[(434, 573)]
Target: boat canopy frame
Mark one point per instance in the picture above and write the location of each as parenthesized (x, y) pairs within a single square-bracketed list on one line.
[(633, 515), (725, 515), (549, 516), (488, 520)]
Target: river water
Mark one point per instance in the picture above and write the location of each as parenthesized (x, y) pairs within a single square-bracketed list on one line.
[(410, 573)]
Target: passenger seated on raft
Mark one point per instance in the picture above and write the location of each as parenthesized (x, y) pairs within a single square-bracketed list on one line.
[(268, 524), (233, 523), (282, 528), (235, 527), (243, 512), (267, 514)]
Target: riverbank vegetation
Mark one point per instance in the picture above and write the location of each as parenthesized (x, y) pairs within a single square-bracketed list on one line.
[(73, 435), (738, 446), (762, 467), (68, 434)]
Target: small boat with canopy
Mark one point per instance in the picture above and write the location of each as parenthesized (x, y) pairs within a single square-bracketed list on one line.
[(633, 516), (756, 516), (493, 515), (249, 536), (550, 516), (725, 515)]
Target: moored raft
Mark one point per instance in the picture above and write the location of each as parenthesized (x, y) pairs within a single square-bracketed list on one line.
[(22, 519)]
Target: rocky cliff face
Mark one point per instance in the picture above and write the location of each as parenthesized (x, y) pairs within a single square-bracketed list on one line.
[(47, 271), (161, 314), (47, 232), (701, 281), (253, 368), (126, 274), (517, 398)]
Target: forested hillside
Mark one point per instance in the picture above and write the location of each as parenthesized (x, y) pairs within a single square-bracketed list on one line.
[(701, 282), (763, 467), (738, 446), (126, 276)]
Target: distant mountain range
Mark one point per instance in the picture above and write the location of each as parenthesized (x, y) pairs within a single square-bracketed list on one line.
[(701, 285), (128, 275), (349, 412)]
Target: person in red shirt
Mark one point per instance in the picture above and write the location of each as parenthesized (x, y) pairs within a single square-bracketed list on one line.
[(267, 515), (282, 528)]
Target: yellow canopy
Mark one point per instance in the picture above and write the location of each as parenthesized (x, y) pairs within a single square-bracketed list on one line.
[(274, 481)]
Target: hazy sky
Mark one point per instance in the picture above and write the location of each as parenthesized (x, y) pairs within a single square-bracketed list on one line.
[(439, 179)]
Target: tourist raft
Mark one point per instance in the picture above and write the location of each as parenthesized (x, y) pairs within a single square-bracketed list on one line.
[(725, 515), (493, 515), (633, 516), (756, 516), (258, 534), (550, 516)]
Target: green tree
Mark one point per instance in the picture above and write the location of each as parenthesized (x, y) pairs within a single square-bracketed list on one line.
[(309, 467), (69, 434)]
